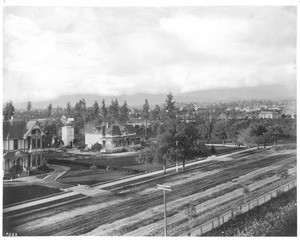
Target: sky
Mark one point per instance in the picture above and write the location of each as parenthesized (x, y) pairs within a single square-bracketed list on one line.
[(54, 51)]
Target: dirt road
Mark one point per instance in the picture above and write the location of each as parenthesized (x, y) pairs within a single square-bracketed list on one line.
[(139, 211)]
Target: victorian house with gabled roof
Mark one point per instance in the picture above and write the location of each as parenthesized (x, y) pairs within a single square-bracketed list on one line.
[(113, 138), (22, 144)]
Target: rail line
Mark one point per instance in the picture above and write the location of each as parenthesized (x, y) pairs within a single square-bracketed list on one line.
[(82, 224)]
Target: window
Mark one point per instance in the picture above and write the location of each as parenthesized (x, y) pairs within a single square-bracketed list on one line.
[(33, 143), (34, 160), (38, 143), (36, 132), (38, 159), (15, 143)]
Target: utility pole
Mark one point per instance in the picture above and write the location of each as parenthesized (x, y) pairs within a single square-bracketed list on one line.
[(165, 188)]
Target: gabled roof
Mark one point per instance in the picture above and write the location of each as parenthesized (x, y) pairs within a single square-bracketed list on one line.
[(17, 129), (14, 129), (129, 129), (29, 125), (113, 130)]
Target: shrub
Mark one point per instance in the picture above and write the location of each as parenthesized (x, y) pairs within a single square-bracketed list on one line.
[(212, 150), (81, 146), (96, 147), (15, 170), (40, 170)]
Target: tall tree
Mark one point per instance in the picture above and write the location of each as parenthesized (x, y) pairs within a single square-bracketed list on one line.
[(8, 110), (236, 128), (80, 115), (146, 110), (104, 110), (95, 110), (49, 110), (68, 109), (254, 134), (155, 113), (170, 107), (220, 130), (176, 141), (29, 106), (273, 133), (205, 130), (156, 153), (186, 139), (146, 114), (124, 113), (113, 111)]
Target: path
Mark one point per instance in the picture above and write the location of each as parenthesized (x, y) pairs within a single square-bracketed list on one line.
[(38, 202), (58, 172), (49, 178), (155, 173)]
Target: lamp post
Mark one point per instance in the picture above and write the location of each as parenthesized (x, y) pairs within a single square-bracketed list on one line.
[(165, 188)]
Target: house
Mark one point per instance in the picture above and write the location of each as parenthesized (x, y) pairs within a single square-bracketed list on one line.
[(113, 138), (269, 114), (22, 144)]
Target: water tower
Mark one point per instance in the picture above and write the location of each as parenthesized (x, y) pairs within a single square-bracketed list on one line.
[(67, 133)]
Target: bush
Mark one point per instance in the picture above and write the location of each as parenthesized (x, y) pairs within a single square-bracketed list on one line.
[(212, 150), (81, 146), (96, 147), (15, 170), (62, 148), (40, 170)]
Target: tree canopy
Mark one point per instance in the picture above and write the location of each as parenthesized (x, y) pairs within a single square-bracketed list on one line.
[(29, 106), (124, 114), (8, 110), (220, 129)]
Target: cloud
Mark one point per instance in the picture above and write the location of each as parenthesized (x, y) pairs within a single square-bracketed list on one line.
[(54, 51)]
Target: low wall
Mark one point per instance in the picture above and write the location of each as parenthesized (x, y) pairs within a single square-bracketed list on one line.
[(225, 217)]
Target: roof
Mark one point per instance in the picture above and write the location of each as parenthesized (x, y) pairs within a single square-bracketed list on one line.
[(130, 129), (29, 126), (268, 112), (113, 130), (13, 154), (17, 129), (14, 129)]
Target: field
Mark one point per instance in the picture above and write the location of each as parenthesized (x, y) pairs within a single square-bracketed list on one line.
[(138, 211), (277, 217), (120, 165), (14, 194)]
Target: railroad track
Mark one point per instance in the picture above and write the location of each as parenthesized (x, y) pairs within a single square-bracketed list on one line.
[(86, 223)]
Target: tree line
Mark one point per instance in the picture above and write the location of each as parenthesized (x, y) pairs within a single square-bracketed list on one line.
[(175, 136)]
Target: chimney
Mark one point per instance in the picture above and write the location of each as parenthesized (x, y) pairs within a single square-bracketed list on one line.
[(103, 130)]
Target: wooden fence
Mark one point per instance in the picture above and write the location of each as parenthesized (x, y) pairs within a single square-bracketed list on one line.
[(225, 217)]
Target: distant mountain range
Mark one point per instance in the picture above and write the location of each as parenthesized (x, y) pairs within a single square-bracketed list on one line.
[(137, 100)]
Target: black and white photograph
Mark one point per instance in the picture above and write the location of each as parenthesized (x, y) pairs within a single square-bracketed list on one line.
[(149, 120)]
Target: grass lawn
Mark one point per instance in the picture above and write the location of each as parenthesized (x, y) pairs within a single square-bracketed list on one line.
[(88, 176), (278, 217), (112, 161), (17, 194), (121, 165)]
